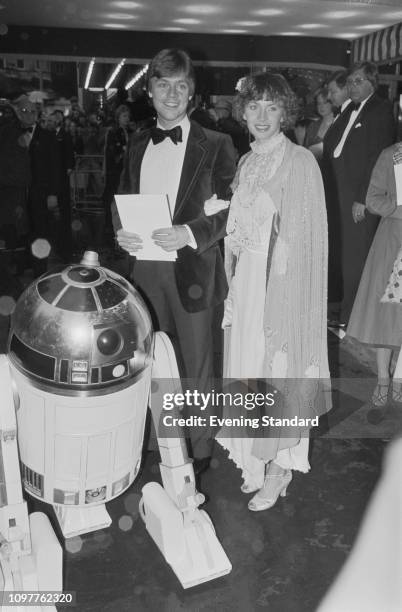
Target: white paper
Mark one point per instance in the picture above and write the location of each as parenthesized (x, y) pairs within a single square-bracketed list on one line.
[(398, 181), (142, 214)]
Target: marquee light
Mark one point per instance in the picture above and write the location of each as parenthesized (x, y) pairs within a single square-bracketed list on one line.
[(136, 77), (115, 73), (89, 73)]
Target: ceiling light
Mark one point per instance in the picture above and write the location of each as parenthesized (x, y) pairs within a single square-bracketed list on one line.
[(248, 24), (348, 35), (393, 15), (89, 73), (172, 29), (127, 4), (340, 14), (136, 77), (188, 21), (119, 16), (290, 33), (268, 12), (313, 26), (234, 31), (373, 27), (115, 73), (201, 9), (118, 26)]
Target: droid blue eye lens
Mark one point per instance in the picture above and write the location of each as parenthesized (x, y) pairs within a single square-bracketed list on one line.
[(108, 342)]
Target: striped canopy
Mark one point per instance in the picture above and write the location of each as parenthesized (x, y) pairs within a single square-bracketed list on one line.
[(380, 46)]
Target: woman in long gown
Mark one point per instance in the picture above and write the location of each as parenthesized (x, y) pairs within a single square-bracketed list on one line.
[(276, 257)]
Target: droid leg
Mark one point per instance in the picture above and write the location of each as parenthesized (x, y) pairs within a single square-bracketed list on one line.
[(184, 534), (30, 554)]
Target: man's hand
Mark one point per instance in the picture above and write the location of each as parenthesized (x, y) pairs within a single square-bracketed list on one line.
[(214, 205), (358, 212), (128, 241), (171, 238)]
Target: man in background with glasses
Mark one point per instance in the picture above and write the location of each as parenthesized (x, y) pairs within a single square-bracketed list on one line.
[(366, 127)]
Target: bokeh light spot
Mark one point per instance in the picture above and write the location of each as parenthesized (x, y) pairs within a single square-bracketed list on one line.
[(125, 523), (7, 305), (195, 292), (74, 545), (40, 248)]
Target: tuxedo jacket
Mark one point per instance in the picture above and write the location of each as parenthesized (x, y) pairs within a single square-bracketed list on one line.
[(372, 131), (208, 167), (45, 162)]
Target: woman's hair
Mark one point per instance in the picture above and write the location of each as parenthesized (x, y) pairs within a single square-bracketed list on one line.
[(266, 86), (170, 62), (122, 108), (323, 92)]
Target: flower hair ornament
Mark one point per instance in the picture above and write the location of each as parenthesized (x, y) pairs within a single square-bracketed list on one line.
[(240, 84)]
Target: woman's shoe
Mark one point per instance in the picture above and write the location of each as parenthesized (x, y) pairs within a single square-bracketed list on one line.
[(380, 395), (249, 488), (397, 392), (275, 485)]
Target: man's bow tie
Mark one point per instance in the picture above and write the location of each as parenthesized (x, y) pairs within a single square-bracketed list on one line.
[(28, 130), (355, 105), (336, 111), (175, 134)]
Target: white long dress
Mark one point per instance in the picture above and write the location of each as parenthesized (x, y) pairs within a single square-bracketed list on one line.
[(252, 216)]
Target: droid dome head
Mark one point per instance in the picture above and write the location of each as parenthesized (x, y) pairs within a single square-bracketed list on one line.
[(80, 329)]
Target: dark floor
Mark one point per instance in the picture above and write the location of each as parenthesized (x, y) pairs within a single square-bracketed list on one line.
[(283, 559)]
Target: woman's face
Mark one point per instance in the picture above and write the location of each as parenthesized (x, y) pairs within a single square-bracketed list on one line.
[(263, 118), (124, 119), (324, 106)]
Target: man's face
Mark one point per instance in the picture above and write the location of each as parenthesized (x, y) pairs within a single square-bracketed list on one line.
[(26, 113), (170, 96), (359, 86), (337, 95)]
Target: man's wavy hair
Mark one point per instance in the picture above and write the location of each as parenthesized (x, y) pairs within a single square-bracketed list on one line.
[(170, 62), (266, 86)]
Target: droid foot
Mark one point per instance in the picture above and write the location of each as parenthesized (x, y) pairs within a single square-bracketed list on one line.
[(76, 520), (187, 539)]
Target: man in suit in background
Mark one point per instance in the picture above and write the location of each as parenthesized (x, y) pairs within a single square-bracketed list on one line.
[(338, 95), (364, 130), (43, 204), (67, 162), (190, 164)]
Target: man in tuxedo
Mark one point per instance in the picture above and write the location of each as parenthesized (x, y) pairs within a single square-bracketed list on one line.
[(338, 95), (66, 165), (44, 176), (190, 164), (363, 130)]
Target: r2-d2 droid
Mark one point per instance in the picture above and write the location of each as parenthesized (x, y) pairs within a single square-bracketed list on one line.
[(81, 357)]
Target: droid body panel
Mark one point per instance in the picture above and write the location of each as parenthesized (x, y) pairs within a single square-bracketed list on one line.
[(30, 555)]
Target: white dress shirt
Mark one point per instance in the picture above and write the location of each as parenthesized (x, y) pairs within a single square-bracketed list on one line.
[(352, 119), (162, 166)]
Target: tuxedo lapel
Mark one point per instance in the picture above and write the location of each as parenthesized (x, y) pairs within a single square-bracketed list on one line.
[(195, 154), (138, 154)]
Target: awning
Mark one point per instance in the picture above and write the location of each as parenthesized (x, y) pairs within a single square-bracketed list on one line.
[(381, 46)]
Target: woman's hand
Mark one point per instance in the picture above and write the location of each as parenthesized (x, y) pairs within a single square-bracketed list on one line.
[(214, 205), (128, 241)]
